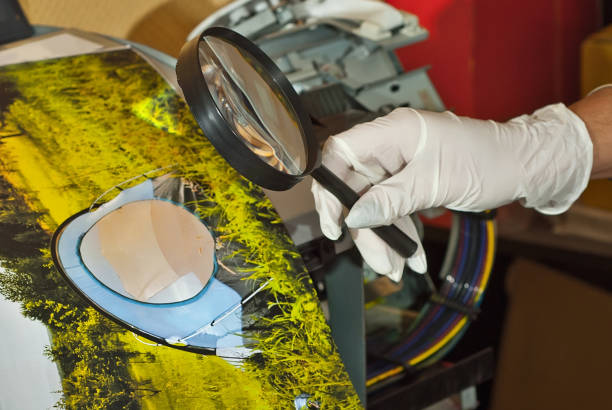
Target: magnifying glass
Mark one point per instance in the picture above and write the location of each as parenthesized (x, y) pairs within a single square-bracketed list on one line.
[(252, 115)]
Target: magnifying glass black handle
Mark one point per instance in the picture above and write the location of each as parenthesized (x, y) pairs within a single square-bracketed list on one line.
[(391, 234)]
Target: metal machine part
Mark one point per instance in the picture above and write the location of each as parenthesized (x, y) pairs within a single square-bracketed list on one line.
[(330, 43)]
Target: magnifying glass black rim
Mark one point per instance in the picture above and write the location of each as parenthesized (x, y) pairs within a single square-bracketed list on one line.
[(223, 137)]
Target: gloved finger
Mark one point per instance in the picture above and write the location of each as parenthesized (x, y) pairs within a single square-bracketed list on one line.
[(377, 254), (329, 208), (407, 191), (382, 258), (378, 148), (374, 250), (339, 157), (418, 261), (330, 211)]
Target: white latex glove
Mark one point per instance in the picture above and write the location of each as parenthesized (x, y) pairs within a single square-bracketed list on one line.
[(412, 160)]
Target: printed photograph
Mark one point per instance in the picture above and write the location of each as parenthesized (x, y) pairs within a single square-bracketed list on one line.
[(159, 277)]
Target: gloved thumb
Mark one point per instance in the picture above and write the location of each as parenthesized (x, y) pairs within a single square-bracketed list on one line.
[(379, 206), (393, 198)]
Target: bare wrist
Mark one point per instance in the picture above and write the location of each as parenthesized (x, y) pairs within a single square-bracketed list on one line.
[(595, 110)]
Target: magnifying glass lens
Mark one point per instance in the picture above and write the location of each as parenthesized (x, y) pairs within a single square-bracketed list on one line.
[(252, 105)]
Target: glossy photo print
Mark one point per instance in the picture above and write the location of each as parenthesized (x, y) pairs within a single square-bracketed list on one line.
[(162, 277)]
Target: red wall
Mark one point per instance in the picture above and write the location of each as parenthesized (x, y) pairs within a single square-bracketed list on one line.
[(500, 58)]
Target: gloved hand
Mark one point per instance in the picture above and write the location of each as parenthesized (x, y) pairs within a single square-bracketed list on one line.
[(411, 160)]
